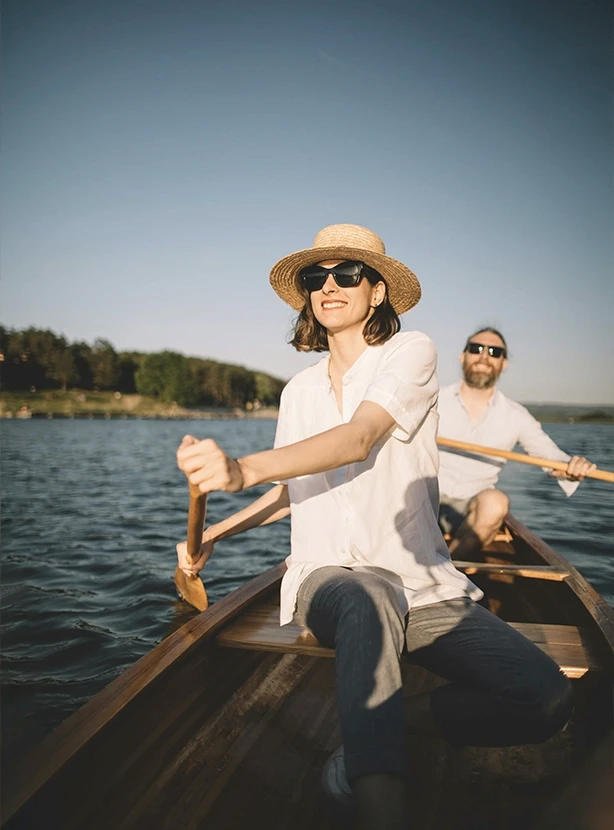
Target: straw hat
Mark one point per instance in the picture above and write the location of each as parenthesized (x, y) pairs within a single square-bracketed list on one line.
[(347, 242)]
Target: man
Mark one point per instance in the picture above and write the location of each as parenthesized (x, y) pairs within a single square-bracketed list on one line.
[(475, 411)]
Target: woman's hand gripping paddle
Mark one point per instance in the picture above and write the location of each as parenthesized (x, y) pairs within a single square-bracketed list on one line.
[(191, 588)]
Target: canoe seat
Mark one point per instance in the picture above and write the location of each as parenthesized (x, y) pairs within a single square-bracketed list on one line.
[(258, 629)]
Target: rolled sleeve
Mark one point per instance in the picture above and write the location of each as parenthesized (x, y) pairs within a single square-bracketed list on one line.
[(281, 433), (407, 385)]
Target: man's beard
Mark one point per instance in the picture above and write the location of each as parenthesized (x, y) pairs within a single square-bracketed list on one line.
[(480, 379)]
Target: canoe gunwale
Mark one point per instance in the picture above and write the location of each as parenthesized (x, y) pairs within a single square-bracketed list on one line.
[(601, 613)]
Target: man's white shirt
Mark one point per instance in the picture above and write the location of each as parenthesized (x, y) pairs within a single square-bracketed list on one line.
[(505, 424), (379, 514)]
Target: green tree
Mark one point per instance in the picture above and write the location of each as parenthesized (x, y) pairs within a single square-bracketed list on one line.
[(268, 389), (105, 365), (128, 364), (64, 368), (82, 355), (29, 357), (242, 386), (167, 376)]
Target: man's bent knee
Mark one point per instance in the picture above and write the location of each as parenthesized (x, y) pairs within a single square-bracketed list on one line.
[(491, 505)]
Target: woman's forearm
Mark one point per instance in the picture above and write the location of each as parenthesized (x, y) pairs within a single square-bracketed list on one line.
[(345, 444), (271, 507), (209, 468), (326, 451)]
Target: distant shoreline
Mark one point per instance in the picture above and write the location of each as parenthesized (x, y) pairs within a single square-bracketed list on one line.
[(88, 405)]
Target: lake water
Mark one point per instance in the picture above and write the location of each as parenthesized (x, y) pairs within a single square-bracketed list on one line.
[(91, 514)]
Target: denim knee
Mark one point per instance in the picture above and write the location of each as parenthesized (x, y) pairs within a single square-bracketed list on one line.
[(352, 608)]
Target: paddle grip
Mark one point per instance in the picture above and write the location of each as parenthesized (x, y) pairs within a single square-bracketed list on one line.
[(196, 521)]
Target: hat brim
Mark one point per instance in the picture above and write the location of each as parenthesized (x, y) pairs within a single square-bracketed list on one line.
[(403, 287)]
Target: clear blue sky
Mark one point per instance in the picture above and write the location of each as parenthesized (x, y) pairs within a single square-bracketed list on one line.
[(158, 156)]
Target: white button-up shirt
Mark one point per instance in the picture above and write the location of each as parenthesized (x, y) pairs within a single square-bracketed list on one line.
[(380, 514), (505, 424)]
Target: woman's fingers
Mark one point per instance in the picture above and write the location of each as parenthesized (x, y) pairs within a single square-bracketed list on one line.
[(208, 467), (191, 457), (192, 570)]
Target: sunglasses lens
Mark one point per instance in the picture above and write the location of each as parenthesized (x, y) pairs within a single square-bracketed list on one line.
[(348, 269), (478, 348), (313, 277), (347, 274)]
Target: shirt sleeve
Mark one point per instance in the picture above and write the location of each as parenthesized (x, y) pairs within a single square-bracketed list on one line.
[(281, 433), (406, 386), (534, 440)]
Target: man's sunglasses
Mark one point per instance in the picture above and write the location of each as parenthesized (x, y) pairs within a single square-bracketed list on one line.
[(478, 348), (346, 274)]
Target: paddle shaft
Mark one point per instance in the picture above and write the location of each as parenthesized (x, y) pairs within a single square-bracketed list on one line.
[(196, 521), (602, 475), (191, 588)]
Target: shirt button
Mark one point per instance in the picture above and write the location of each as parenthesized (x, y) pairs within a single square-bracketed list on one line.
[(346, 520), (343, 550)]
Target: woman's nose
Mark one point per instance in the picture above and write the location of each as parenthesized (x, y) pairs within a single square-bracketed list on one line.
[(330, 284)]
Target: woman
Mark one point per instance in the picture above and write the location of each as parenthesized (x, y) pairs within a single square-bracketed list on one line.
[(369, 573)]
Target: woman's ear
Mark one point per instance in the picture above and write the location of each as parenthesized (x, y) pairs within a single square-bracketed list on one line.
[(378, 295)]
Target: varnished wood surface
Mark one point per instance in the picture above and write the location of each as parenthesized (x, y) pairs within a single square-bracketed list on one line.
[(591, 600), (258, 628), (551, 572)]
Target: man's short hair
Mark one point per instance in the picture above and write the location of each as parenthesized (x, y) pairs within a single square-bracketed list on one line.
[(492, 331)]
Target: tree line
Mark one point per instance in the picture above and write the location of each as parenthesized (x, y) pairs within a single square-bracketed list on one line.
[(36, 359)]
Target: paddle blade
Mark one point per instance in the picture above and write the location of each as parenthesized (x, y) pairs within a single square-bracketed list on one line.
[(191, 590)]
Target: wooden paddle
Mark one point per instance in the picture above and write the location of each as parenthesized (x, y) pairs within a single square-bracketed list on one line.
[(602, 475), (191, 589)]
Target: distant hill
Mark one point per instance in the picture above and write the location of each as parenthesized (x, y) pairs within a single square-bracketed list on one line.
[(571, 413), (41, 362)]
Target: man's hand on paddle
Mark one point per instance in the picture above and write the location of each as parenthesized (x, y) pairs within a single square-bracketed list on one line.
[(577, 469), (208, 467)]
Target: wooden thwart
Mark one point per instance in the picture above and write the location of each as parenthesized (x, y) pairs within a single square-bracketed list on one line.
[(259, 629), (550, 572)]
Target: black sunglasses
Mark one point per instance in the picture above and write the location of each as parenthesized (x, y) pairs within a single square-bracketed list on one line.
[(478, 348), (346, 274)]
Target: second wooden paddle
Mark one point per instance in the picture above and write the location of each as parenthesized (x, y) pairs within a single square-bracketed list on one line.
[(191, 589), (602, 475)]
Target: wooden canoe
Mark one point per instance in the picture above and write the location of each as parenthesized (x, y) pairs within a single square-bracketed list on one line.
[(229, 720)]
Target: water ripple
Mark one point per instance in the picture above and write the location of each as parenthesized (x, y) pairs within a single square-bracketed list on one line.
[(91, 514)]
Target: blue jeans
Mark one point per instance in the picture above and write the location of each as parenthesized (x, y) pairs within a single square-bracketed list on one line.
[(503, 689)]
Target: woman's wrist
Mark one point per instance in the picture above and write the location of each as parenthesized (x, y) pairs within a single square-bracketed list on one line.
[(247, 474), (212, 534)]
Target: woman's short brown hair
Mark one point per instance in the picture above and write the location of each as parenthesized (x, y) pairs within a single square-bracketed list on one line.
[(309, 334)]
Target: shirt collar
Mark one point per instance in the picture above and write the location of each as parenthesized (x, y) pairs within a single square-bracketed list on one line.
[(359, 365)]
